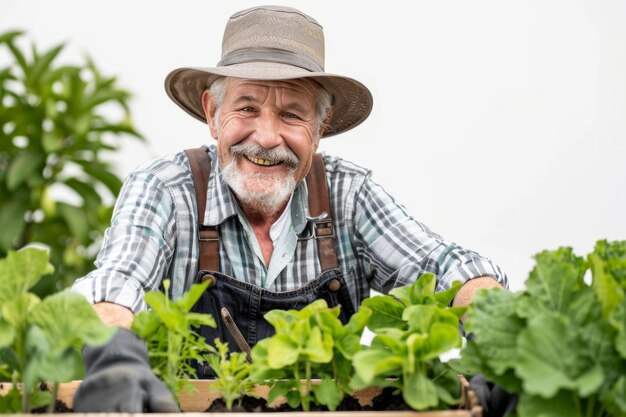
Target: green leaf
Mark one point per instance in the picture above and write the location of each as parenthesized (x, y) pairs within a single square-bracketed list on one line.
[(318, 348), (75, 219), (39, 398), (12, 223), (441, 339), (556, 276), (280, 389), (146, 324), (559, 405), (80, 322), (18, 310), (43, 63), (20, 270), (8, 37), (372, 363), (422, 288), (619, 322), (609, 292), (86, 191), (281, 320), (386, 312), (7, 334), (11, 402), (191, 297), (444, 298), (496, 327), (25, 165), (589, 382), (615, 400), (545, 356), (358, 321), (420, 392), (171, 316), (282, 351), (328, 393)]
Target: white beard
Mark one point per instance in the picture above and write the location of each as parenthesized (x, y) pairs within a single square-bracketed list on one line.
[(261, 193)]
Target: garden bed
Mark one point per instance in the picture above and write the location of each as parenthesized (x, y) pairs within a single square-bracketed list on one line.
[(199, 401)]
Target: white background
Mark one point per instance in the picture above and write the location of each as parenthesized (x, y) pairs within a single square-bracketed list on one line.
[(499, 124)]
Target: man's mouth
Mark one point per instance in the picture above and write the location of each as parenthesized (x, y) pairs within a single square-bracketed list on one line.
[(262, 162)]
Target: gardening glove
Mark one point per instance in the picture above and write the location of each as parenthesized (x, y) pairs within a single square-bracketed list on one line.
[(496, 402), (118, 378)]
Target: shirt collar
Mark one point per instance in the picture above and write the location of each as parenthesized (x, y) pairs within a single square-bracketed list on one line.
[(222, 204)]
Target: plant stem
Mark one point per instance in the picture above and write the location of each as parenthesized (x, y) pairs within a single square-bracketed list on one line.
[(307, 370), (53, 401), (24, 401)]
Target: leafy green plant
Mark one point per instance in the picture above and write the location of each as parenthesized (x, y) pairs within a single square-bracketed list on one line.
[(309, 342), (232, 371), (168, 329), (413, 327), (57, 122), (40, 340), (561, 343)]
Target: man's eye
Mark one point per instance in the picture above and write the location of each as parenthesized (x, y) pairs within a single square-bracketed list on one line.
[(248, 109), (290, 116)]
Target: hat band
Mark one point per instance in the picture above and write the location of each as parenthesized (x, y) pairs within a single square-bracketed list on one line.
[(281, 56)]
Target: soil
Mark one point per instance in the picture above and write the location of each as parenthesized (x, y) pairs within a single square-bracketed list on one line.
[(384, 401), (59, 407)]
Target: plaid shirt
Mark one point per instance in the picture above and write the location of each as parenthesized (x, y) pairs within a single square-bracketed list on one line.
[(153, 235)]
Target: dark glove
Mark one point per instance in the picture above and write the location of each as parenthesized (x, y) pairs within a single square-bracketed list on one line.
[(496, 402), (118, 378)]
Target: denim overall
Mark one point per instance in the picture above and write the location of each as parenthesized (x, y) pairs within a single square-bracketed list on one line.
[(238, 307)]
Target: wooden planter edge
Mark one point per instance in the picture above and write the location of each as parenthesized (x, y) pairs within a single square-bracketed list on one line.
[(198, 400)]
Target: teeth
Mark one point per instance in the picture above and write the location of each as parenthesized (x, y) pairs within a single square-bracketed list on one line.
[(264, 162)]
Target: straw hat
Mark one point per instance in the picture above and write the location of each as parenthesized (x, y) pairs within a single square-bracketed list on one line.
[(273, 43)]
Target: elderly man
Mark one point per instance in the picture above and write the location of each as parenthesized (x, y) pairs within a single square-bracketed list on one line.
[(267, 221)]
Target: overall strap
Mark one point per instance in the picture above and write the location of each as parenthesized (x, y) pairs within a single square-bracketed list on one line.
[(207, 235), (319, 204)]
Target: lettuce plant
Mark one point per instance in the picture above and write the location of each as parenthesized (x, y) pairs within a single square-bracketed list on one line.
[(413, 326), (308, 343), (560, 343), (40, 340), (174, 347)]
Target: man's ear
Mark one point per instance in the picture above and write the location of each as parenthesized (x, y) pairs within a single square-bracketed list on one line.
[(329, 117), (208, 105)]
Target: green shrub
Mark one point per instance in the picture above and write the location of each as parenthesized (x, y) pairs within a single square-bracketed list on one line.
[(55, 126)]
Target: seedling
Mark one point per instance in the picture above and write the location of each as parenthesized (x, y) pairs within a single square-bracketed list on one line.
[(168, 329), (232, 370), (413, 326), (310, 342), (40, 340)]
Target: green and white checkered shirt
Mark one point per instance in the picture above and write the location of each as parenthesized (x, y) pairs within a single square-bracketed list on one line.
[(153, 235)]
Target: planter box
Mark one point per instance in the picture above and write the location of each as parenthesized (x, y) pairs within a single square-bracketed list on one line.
[(198, 401)]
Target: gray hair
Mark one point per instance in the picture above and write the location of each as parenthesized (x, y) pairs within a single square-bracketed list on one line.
[(324, 103)]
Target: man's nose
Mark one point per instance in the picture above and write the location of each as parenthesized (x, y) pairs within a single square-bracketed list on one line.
[(268, 133)]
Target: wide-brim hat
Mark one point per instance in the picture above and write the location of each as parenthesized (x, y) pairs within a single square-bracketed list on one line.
[(273, 43)]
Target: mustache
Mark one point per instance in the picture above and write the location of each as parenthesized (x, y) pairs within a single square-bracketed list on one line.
[(271, 154)]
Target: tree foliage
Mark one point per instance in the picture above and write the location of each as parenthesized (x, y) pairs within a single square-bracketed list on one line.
[(57, 122)]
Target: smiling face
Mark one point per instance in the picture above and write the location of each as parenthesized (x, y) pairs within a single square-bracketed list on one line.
[(266, 137)]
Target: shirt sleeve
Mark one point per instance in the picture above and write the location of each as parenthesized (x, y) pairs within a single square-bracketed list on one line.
[(137, 248), (394, 249)]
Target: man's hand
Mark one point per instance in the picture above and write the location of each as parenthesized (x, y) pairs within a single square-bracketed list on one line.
[(496, 402), (118, 378)]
